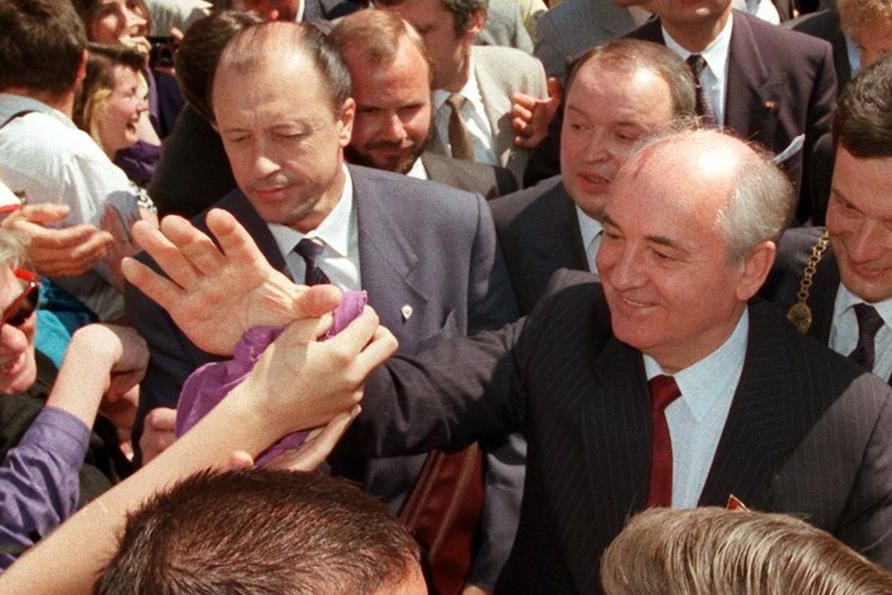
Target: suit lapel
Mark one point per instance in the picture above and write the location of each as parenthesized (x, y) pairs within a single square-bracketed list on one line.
[(560, 243), (823, 296), (497, 106), (752, 99), (758, 433), (387, 259), (610, 18)]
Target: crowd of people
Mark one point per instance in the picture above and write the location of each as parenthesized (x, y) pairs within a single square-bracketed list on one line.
[(626, 263)]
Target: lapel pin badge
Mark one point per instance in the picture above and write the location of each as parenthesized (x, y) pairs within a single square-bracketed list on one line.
[(770, 104), (406, 311)]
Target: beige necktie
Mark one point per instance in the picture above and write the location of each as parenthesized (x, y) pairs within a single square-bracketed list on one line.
[(459, 138)]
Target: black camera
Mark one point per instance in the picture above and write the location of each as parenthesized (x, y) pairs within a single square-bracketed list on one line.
[(162, 51)]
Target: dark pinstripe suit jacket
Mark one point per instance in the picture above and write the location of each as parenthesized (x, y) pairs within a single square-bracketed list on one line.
[(539, 234), (807, 432)]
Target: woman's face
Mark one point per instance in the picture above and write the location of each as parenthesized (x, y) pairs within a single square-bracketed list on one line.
[(18, 369), (117, 121), (121, 21)]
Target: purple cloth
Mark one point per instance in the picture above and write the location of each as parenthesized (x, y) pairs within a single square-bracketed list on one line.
[(39, 482), (207, 385), (139, 162)]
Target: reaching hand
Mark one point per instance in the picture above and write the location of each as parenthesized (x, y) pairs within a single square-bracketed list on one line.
[(304, 383), (532, 116), (215, 294), (58, 252)]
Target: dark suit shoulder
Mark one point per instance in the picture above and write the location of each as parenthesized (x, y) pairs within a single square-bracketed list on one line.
[(527, 202), (823, 24), (793, 251), (774, 38)]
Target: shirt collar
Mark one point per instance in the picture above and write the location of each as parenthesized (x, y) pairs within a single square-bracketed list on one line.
[(846, 300), (417, 171), (590, 228), (334, 229), (469, 91), (715, 54), (12, 103), (705, 382)]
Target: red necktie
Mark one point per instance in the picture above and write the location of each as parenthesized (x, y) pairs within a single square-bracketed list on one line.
[(663, 391)]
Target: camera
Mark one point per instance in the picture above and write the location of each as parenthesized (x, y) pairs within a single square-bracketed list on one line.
[(162, 51)]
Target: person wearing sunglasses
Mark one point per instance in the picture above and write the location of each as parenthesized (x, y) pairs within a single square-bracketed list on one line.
[(53, 455)]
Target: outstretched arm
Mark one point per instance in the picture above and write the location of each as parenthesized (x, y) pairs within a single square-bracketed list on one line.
[(297, 384), (216, 292)]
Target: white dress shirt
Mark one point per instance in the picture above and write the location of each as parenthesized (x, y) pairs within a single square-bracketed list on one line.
[(474, 116), (844, 330), (339, 235), (591, 230), (696, 419), (714, 78)]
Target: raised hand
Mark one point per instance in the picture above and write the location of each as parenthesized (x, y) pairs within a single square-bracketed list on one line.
[(214, 293)]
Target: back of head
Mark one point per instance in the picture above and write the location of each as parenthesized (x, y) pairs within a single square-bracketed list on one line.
[(261, 531), (267, 45), (703, 551), (41, 46), (375, 34), (862, 123), (198, 54), (855, 15)]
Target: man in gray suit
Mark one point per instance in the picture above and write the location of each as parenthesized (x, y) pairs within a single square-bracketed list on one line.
[(616, 93), (391, 75), (573, 26), (836, 282), (760, 413), (426, 254), (473, 85)]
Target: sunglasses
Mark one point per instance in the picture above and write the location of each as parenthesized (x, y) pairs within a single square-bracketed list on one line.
[(23, 306)]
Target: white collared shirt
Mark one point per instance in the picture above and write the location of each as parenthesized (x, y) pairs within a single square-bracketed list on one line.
[(591, 230), (473, 114), (697, 418), (844, 330), (417, 171), (339, 235), (714, 78), (763, 9)]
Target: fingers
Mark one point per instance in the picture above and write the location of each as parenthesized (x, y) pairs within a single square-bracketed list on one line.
[(235, 241), (44, 212), (164, 249), (195, 247), (158, 287), (240, 459), (159, 432), (316, 301), (316, 448)]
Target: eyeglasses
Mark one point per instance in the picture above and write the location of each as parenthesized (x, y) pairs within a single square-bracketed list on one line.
[(23, 306)]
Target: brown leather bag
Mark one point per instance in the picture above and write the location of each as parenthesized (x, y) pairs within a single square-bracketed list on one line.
[(443, 512)]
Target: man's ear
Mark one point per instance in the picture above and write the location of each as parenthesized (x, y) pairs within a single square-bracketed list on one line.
[(345, 121), (756, 266), (476, 24), (82, 67)]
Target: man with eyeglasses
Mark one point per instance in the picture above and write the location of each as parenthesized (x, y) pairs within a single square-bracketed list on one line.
[(51, 459)]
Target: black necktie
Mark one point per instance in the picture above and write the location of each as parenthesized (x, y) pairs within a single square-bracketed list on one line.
[(309, 250), (459, 137), (697, 63), (869, 323)]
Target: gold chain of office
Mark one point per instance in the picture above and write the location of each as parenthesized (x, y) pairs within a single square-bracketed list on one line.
[(800, 313)]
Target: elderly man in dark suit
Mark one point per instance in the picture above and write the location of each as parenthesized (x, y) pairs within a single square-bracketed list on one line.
[(616, 93), (836, 282), (425, 253), (763, 82), (764, 414)]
